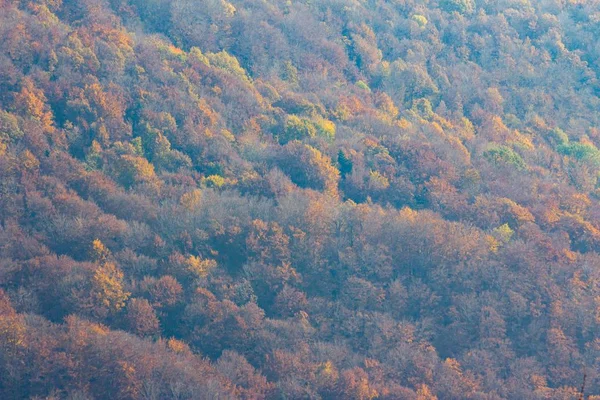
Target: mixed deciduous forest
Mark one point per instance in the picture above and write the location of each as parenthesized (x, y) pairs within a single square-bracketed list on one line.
[(324, 199)]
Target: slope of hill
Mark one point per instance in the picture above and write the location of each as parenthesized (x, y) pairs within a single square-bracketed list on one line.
[(329, 199)]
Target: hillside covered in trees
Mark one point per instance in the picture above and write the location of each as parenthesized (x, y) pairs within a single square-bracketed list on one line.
[(324, 199)]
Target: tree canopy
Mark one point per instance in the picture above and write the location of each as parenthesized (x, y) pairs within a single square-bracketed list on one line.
[(331, 199)]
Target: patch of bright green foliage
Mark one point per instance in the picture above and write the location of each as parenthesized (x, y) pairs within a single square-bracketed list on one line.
[(363, 85), (227, 62), (581, 152), (504, 155), (297, 128), (423, 108), (558, 136), (461, 6)]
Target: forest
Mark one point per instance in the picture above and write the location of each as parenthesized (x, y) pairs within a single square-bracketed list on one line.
[(300, 199)]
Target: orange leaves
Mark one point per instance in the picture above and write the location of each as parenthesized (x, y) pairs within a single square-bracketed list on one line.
[(99, 253), (207, 115), (119, 37), (177, 346), (29, 162), (268, 243), (141, 318), (424, 393), (200, 267), (133, 170), (444, 197), (12, 327), (164, 292), (107, 291), (31, 101), (495, 130), (236, 229), (12, 333), (497, 211), (354, 384), (386, 105), (104, 103), (308, 167), (6, 308), (191, 200), (107, 288), (348, 107), (99, 109)]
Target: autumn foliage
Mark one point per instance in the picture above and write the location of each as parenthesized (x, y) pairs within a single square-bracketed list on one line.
[(328, 199)]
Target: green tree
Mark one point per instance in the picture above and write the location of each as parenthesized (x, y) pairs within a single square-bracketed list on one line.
[(504, 155), (461, 6), (297, 128)]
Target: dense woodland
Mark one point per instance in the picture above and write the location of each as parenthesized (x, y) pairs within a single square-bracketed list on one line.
[(324, 199)]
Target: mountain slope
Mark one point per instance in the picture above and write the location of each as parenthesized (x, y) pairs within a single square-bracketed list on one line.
[(301, 199)]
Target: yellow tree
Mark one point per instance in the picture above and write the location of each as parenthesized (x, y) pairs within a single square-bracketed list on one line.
[(99, 252), (108, 293), (31, 101)]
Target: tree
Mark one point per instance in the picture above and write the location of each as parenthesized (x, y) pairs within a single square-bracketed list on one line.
[(503, 155), (290, 301), (32, 102), (249, 383), (297, 129), (308, 167), (140, 318), (268, 243), (354, 384), (131, 170), (107, 291), (6, 308), (461, 6), (99, 253), (164, 292)]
